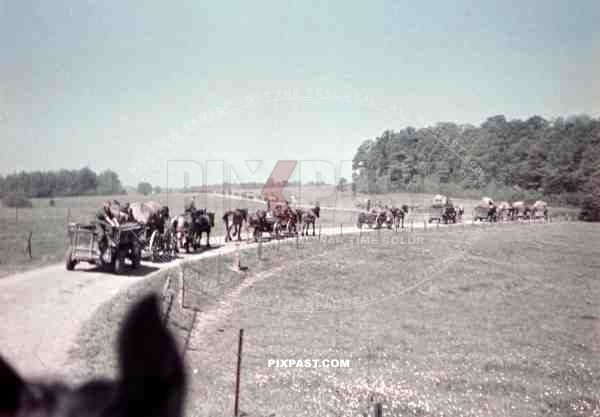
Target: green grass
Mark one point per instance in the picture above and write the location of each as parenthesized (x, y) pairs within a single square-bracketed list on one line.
[(510, 328)]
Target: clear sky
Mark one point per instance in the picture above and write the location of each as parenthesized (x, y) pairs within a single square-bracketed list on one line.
[(87, 83)]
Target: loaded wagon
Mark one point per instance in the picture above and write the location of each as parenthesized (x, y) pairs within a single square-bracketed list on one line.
[(481, 212), (443, 214), (367, 217), (87, 245), (157, 237), (271, 225), (442, 210)]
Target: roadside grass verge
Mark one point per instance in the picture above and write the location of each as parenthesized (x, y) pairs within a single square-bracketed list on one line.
[(510, 328)]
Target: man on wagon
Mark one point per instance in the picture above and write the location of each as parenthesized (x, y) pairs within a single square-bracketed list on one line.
[(491, 211), (106, 219), (190, 206)]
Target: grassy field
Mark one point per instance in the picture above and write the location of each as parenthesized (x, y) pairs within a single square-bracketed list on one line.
[(510, 328)]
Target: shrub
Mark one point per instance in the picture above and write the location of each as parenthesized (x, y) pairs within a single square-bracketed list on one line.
[(18, 200), (590, 211), (52, 203)]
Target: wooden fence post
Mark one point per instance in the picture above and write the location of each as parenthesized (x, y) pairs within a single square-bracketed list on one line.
[(237, 374), (259, 250), (237, 265), (167, 293), (374, 409), (412, 226), (341, 232), (28, 248), (182, 291), (186, 343), (377, 410)]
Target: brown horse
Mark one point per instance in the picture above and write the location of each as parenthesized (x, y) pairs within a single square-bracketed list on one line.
[(386, 217), (235, 218), (151, 382), (286, 217), (308, 217), (258, 221), (398, 215)]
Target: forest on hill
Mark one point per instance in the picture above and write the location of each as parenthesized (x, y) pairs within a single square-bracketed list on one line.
[(558, 160)]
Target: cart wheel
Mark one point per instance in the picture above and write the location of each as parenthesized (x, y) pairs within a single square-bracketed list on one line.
[(136, 258), (119, 263), (277, 230), (135, 263), (152, 245), (69, 262), (257, 234)]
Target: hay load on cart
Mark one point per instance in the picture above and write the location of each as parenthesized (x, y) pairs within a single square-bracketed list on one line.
[(158, 239), (485, 210), (88, 243)]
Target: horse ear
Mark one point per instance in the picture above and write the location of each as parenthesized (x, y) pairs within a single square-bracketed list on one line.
[(152, 371), (11, 389)]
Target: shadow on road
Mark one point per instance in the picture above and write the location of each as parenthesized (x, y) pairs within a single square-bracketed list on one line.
[(128, 271)]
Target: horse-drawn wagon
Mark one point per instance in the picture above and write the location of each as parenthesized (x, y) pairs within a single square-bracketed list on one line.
[(368, 218), (442, 210), (485, 210), (190, 226), (157, 238), (89, 244)]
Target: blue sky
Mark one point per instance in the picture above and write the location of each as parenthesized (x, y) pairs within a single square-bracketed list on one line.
[(100, 83)]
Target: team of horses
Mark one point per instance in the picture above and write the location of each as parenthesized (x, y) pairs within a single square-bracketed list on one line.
[(180, 232), (185, 231), (383, 216), (274, 221), (518, 210)]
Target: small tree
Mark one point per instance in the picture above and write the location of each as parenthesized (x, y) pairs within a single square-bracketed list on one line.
[(157, 190), (144, 188), (590, 209), (342, 184)]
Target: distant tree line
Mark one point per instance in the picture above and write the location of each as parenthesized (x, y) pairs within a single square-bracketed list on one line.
[(558, 160), (40, 184)]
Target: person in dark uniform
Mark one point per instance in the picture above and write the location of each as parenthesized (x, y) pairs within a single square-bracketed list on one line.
[(126, 212), (491, 211), (190, 206), (107, 221)]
